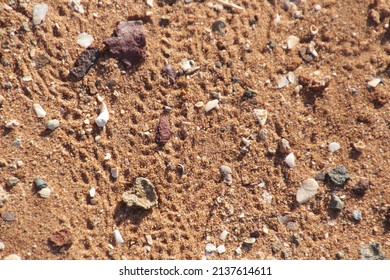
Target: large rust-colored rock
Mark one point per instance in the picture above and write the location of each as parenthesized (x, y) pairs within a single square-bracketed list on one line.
[(129, 45)]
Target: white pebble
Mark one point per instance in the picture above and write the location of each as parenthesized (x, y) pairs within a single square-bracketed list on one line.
[(292, 42), (118, 237), (104, 116), (52, 124), (290, 160), (45, 192), (107, 156), (307, 190), (292, 78), (39, 13), (12, 257), (84, 40), (77, 6), (149, 3), (211, 105), (283, 82), (12, 123), (92, 192), (2, 246), (210, 248), (333, 147), (149, 239), (317, 7), (221, 249), (26, 79), (374, 82), (39, 111), (261, 115), (223, 235)]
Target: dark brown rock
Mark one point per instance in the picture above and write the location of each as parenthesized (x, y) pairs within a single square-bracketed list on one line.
[(83, 63), (129, 44), (163, 131)]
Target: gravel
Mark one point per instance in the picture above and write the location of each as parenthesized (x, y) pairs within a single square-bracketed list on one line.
[(336, 203), (338, 176)]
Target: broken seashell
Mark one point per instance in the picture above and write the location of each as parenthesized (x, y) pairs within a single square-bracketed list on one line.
[(290, 160), (333, 147), (118, 237), (313, 29), (283, 82), (292, 42), (261, 115), (92, 192), (307, 190), (45, 192), (39, 111), (211, 105), (84, 40), (104, 116), (374, 82)]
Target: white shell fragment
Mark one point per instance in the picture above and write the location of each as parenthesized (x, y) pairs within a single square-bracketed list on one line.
[(292, 78), (221, 249), (261, 115), (283, 82), (114, 172), (186, 64), (307, 190), (45, 192), (39, 111), (118, 237), (92, 192), (84, 40), (223, 235), (290, 160), (210, 248), (226, 173), (104, 116), (374, 82), (211, 105), (77, 6), (292, 42), (39, 13), (333, 147)]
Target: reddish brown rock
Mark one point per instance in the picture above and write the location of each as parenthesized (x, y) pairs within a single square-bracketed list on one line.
[(61, 239), (163, 131), (129, 44)]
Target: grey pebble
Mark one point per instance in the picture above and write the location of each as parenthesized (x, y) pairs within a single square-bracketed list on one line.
[(263, 134), (40, 183), (338, 176), (9, 217), (52, 124), (12, 182), (320, 177), (357, 215), (336, 203), (295, 239), (340, 255)]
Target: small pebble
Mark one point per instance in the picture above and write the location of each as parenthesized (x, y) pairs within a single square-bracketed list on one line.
[(359, 146), (39, 13), (223, 235), (12, 257), (52, 124), (12, 124), (292, 42), (261, 116), (249, 241), (9, 217), (283, 82), (149, 239), (12, 182), (84, 40), (118, 237), (284, 146), (361, 187), (103, 117), (221, 249), (210, 248), (77, 6), (333, 147), (92, 192), (114, 172), (40, 184), (290, 160), (307, 191), (340, 255), (336, 203), (338, 176), (45, 192), (263, 134), (39, 111), (226, 173), (357, 215), (213, 104), (374, 82), (2, 246)]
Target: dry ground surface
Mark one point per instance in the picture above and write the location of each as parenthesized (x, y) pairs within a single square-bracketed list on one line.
[(333, 104)]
